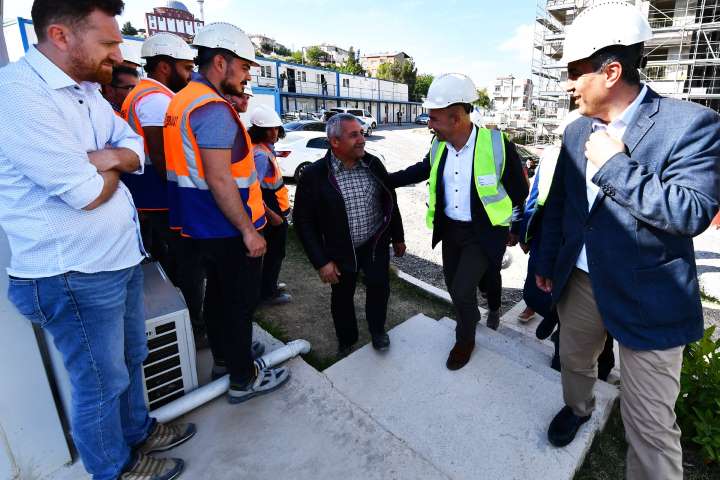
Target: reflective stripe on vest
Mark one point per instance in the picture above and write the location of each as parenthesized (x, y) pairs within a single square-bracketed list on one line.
[(274, 182), (129, 106), (546, 170), (149, 190), (192, 207), (488, 168)]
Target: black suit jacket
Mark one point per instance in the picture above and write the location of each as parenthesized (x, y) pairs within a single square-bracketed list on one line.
[(492, 238), (321, 221)]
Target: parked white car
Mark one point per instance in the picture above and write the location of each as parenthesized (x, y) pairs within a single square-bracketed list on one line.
[(364, 115), (301, 148)]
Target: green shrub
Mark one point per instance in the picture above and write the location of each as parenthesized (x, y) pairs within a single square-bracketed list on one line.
[(698, 407)]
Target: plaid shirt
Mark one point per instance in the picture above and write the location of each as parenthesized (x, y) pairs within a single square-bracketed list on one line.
[(361, 192)]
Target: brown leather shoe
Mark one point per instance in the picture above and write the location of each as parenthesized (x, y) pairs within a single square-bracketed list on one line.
[(459, 355)]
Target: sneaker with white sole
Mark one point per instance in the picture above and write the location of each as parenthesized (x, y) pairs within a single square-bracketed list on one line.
[(267, 380), (164, 437), (151, 468)]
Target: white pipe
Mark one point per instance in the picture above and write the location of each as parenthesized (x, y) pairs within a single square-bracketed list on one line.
[(280, 355), (190, 401)]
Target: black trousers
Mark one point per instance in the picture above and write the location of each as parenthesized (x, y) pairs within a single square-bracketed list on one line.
[(491, 285), (377, 286), (160, 242), (276, 238), (231, 295), (464, 264)]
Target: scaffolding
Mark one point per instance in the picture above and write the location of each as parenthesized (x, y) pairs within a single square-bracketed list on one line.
[(683, 56)]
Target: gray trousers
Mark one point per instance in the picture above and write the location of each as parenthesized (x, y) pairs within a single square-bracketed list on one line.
[(650, 384)]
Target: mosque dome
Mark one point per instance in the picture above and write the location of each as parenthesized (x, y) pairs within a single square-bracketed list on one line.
[(177, 6)]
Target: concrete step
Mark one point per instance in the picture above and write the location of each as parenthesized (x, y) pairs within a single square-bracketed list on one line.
[(487, 420), (306, 430)]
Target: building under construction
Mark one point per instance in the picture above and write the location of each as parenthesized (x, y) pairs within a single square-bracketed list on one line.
[(683, 56)]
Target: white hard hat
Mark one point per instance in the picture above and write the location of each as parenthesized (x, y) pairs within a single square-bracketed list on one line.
[(167, 44), (227, 36), (602, 25), (129, 53), (448, 89), (569, 118), (248, 91), (264, 116)]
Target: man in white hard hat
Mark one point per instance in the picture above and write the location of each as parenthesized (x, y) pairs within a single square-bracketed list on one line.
[(266, 128), (476, 180), (638, 176), (169, 64), (216, 202), (241, 102)]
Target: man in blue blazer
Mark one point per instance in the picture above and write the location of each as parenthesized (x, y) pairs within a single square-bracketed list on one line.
[(637, 178)]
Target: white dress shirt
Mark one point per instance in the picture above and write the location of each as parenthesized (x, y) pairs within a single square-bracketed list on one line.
[(49, 124), (457, 179), (616, 129)]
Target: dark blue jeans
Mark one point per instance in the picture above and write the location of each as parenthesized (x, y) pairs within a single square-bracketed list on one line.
[(97, 322)]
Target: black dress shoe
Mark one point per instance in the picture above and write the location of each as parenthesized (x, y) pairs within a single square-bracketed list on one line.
[(564, 427), (381, 341), (459, 355)]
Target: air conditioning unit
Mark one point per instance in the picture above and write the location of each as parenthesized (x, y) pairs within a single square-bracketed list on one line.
[(170, 369)]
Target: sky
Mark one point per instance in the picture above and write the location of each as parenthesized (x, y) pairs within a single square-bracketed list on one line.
[(480, 38)]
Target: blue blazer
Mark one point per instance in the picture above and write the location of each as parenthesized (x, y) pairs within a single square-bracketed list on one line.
[(654, 198)]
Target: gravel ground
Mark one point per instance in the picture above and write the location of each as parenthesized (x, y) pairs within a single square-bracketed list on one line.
[(406, 145)]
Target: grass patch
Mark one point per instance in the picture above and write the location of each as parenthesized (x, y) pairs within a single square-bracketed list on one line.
[(606, 459), (308, 315)]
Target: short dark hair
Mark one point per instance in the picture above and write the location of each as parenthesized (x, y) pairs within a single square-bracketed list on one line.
[(628, 56), (73, 12), (122, 70), (205, 56), (152, 63), (468, 108), (259, 134)]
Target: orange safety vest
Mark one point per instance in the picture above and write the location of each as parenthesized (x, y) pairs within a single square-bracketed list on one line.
[(193, 209), (149, 191), (273, 183)]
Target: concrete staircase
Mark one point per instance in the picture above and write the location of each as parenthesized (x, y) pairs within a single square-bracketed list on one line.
[(397, 415)]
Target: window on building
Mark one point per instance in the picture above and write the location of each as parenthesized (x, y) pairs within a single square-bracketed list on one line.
[(265, 71), (346, 82), (302, 76)]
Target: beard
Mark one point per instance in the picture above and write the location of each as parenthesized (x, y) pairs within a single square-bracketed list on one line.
[(85, 69), (176, 82)]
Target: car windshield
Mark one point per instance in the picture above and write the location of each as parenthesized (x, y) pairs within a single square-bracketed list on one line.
[(293, 126)]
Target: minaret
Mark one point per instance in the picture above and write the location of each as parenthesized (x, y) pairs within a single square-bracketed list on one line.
[(202, 11)]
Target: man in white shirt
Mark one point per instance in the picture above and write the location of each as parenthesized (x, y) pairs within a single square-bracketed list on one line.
[(73, 232)]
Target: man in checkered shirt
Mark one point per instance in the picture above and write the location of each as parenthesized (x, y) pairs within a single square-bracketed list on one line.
[(346, 217)]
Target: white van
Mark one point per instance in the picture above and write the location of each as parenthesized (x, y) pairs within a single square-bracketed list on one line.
[(364, 115)]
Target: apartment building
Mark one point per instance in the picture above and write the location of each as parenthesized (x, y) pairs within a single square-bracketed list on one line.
[(512, 94), (683, 56)]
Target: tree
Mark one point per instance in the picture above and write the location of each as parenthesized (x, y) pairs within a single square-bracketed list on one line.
[(266, 47), (351, 65), (297, 57), (422, 84), (282, 50), (315, 56), (128, 29), (397, 71), (483, 100)]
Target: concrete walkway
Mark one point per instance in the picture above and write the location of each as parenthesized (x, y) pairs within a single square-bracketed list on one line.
[(398, 415)]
